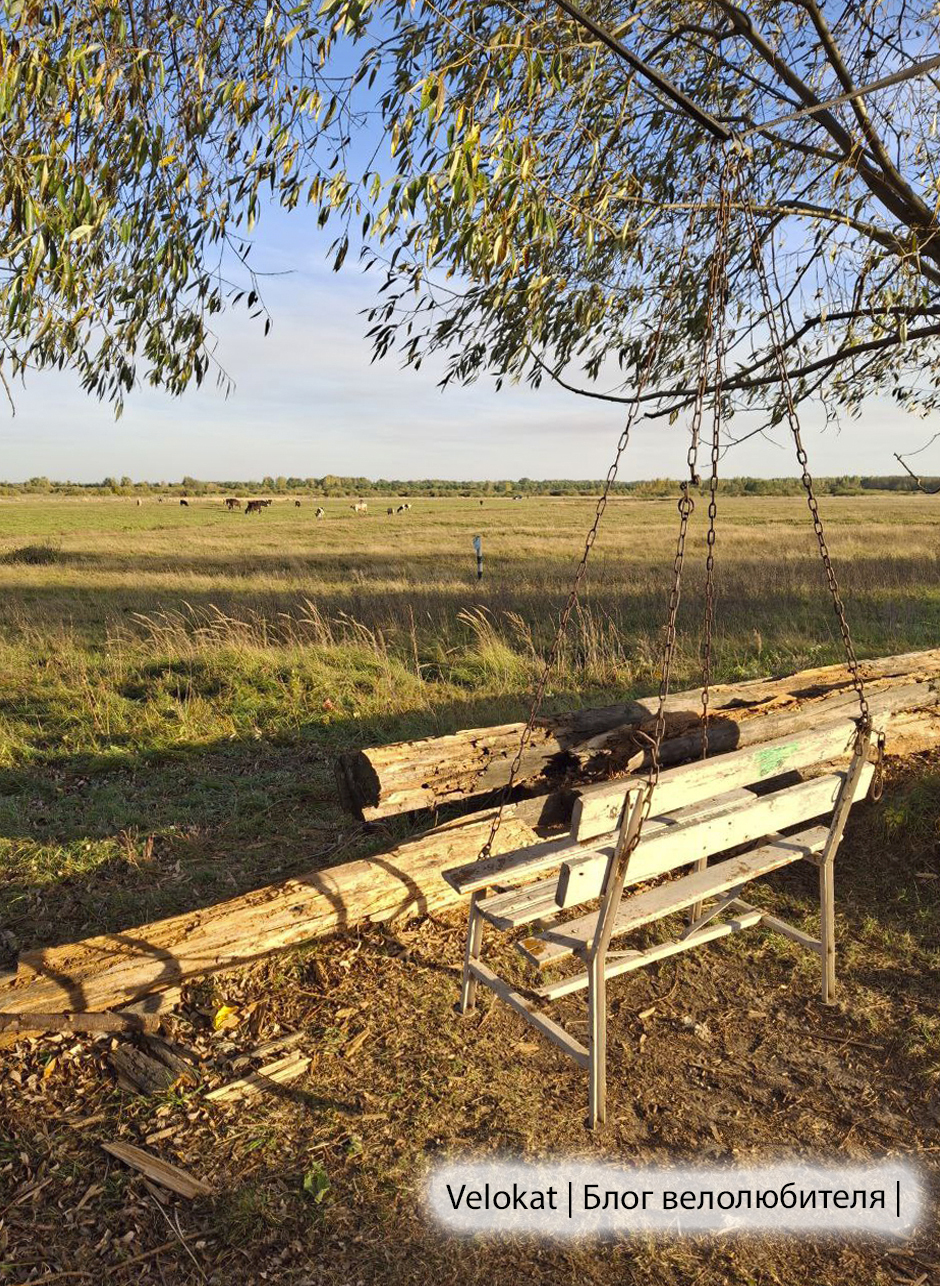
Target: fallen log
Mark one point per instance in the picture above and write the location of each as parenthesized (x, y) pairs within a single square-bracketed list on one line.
[(115, 968), (381, 781)]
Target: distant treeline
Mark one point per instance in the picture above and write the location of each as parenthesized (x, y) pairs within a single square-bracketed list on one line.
[(333, 485)]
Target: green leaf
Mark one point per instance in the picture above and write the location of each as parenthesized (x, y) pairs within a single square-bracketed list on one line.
[(316, 1183)]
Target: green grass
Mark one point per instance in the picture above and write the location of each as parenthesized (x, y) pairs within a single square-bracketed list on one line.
[(175, 682)]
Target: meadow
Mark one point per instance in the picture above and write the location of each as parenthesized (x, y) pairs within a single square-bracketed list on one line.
[(176, 680), (174, 685)]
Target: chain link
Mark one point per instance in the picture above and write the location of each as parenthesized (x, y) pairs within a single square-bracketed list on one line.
[(719, 284), (714, 324), (571, 601), (714, 313)]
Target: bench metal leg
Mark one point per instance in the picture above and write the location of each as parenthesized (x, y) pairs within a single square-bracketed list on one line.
[(597, 1041), (695, 911), (827, 931), (468, 991)]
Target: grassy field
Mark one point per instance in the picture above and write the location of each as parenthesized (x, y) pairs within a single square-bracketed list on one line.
[(174, 683)]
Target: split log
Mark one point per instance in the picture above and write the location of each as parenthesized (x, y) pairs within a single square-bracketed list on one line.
[(281, 1072), (381, 781), (137, 1072), (116, 968)]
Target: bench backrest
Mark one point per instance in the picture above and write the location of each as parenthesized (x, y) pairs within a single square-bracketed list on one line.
[(598, 809), (670, 841)]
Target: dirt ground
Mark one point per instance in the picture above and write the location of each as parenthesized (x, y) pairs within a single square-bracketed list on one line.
[(724, 1056)]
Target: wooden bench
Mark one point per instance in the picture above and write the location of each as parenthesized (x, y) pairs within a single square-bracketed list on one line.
[(735, 802)]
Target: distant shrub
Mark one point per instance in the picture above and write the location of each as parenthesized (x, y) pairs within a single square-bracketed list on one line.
[(34, 555)]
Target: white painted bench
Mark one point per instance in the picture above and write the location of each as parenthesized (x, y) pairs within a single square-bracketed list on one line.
[(699, 811)]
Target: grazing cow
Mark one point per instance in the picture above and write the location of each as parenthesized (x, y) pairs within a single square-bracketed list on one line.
[(359, 507), (255, 507), (389, 511), (296, 504), (321, 512), (185, 504), (232, 502), (138, 503)]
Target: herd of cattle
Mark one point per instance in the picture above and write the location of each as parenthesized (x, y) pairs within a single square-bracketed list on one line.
[(259, 506)]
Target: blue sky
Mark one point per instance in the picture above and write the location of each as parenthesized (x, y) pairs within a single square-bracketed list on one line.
[(308, 401)]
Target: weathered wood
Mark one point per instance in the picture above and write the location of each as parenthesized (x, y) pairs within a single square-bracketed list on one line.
[(159, 1171), (119, 967), (23, 1023), (764, 746), (281, 1072), (666, 848), (667, 899), (740, 822), (657, 845), (381, 781), (139, 1072)]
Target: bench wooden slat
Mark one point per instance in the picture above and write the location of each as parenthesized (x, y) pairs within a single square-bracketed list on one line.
[(739, 823), (520, 906), (675, 895), (525, 863), (598, 808), (665, 847)]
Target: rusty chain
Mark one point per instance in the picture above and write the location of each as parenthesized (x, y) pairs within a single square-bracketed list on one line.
[(719, 284), (714, 325)]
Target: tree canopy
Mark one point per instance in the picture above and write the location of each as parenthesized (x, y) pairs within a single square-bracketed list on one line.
[(530, 202)]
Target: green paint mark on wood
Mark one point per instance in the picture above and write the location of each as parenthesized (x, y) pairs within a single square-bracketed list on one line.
[(771, 760)]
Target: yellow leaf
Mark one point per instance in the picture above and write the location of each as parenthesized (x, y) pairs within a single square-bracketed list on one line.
[(226, 1016)]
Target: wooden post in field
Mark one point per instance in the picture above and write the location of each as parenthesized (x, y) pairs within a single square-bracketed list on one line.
[(478, 546)]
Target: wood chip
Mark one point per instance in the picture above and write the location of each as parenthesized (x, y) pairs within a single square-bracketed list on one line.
[(158, 1171), (356, 1043), (280, 1072)]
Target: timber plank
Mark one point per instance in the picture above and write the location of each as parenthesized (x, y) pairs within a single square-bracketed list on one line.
[(675, 895)]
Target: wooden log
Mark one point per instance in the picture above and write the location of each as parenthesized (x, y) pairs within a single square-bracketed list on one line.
[(150, 961), (116, 968), (381, 781)]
